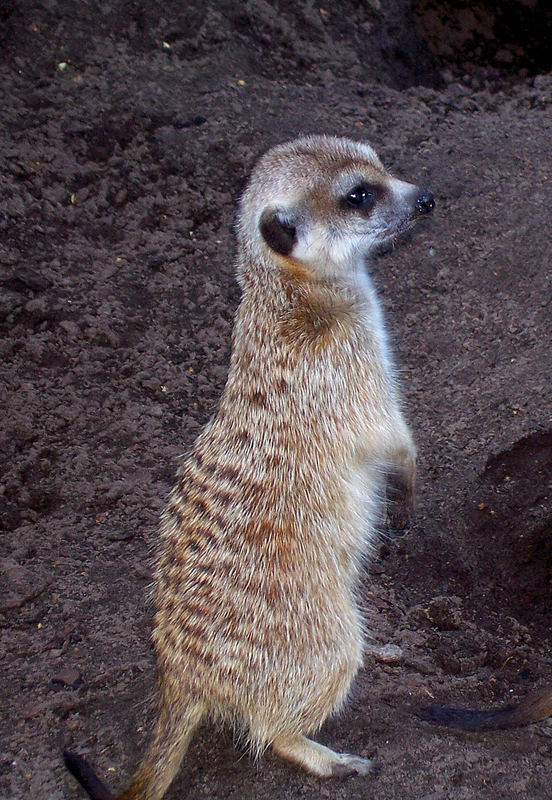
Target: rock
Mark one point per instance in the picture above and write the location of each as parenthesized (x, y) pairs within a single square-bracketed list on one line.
[(387, 654), (68, 676), (18, 584)]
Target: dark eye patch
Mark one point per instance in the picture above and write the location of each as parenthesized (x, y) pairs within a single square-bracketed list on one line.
[(362, 197)]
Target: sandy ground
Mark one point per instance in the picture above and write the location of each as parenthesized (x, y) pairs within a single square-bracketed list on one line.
[(128, 130)]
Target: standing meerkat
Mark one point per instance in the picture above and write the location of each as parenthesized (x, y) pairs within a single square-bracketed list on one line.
[(257, 620)]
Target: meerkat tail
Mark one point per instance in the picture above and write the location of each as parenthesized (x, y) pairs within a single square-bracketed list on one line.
[(533, 708), (85, 775), (172, 735)]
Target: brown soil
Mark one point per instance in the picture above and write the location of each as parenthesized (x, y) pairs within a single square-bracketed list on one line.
[(128, 130)]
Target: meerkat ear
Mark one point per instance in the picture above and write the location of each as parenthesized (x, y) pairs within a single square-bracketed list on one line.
[(278, 229)]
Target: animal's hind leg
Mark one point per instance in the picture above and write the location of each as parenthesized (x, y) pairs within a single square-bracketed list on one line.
[(173, 731), (320, 760)]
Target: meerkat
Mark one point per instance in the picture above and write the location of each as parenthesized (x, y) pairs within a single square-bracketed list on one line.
[(257, 621)]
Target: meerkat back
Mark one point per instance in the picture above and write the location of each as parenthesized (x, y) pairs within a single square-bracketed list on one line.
[(257, 621)]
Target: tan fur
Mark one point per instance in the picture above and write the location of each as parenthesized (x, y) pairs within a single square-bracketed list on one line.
[(257, 621)]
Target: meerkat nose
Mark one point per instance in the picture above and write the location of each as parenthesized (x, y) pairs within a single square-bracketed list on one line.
[(425, 202)]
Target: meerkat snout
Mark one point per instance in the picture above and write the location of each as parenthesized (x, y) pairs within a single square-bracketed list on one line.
[(425, 202)]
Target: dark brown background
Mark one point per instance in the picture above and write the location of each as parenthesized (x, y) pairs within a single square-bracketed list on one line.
[(128, 130)]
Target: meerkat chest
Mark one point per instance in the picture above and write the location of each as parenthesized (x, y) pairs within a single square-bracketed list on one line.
[(312, 382)]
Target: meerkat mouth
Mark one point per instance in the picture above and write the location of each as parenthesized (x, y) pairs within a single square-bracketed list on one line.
[(387, 239), (391, 234)]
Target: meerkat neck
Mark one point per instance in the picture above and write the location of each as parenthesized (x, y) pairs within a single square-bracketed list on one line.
[(289, 282)]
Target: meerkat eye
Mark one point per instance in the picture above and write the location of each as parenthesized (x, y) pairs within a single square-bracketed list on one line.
[(361, 196)]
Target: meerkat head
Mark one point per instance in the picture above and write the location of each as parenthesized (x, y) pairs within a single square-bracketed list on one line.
[(320, 206)]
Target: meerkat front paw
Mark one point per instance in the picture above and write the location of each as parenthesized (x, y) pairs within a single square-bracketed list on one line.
[(399, 503), (401, 495)]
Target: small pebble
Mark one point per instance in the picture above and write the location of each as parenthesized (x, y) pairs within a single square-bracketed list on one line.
[(68, 676), (387, 654)]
